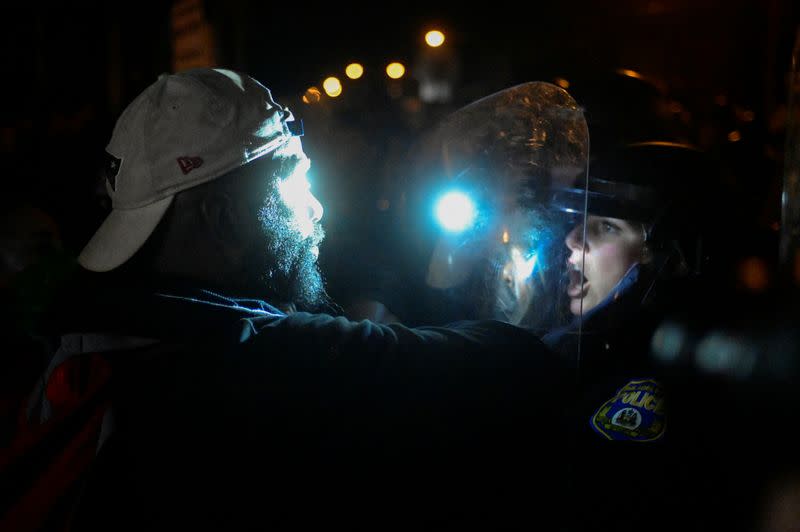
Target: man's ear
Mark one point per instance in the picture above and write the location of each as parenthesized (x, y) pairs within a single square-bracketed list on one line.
[(221, 216)]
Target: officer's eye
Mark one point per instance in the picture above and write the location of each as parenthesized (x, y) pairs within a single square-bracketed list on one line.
[(608, 227)]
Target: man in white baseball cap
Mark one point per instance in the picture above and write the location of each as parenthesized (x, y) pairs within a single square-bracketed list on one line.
[(183, 132), (211, 410)]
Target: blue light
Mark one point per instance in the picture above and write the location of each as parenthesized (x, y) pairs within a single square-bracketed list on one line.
[(455, 211)]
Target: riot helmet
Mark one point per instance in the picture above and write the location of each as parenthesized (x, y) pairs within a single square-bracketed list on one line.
[(622, 106), (485, 179)]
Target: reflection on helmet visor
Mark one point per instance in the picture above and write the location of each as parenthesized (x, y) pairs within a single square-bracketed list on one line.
[(490, 170)]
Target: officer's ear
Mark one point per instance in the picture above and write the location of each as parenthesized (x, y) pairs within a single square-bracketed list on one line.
[(648, 245), (647, 254)]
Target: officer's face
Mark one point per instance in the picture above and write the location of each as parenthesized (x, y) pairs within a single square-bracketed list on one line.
[(611, 247)]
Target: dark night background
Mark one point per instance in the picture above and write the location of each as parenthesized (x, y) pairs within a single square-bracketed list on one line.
[(70, 70)]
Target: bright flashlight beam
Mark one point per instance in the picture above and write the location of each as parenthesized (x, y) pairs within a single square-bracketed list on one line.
[(523, 266), (455, 211)]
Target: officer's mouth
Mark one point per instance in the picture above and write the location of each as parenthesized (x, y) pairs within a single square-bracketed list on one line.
[(578, 283)]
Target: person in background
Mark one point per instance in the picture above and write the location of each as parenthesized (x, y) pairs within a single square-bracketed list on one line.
[(33, 262)]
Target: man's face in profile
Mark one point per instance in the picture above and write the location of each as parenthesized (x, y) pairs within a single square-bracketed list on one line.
[(289, 217)]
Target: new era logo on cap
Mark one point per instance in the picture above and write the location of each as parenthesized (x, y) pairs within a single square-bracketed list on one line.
[(188, 164)]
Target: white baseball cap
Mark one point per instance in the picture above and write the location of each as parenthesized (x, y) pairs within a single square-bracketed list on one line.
[(183, 130)]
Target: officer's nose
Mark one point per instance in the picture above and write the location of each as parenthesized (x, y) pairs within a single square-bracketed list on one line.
[(574, 240)]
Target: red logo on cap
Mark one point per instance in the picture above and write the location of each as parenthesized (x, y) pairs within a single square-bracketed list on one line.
[(188, 164)]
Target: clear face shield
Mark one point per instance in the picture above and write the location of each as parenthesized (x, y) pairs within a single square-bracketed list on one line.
[(491, 172)]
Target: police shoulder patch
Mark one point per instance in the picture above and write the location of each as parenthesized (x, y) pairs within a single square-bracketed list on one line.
[(635, 413)]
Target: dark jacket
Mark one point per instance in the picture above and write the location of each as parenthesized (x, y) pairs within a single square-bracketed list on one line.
[(228, 413), (629, 469)]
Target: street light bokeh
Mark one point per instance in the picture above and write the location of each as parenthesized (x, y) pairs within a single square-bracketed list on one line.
[(434, 38), (312, 95), (354, 70), (332, 86), (395, 70)]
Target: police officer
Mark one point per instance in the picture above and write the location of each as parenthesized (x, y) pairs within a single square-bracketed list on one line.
[(592, 261), (211, 407), (636, 259)]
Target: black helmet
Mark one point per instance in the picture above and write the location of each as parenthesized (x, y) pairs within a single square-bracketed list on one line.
[(623, 106), (662, 185)]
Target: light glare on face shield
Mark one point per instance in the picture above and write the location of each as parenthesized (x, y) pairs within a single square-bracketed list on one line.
[(523, 267), (455, 212)]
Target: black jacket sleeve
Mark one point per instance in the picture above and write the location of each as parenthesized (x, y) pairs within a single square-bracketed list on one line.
[(462, 413)]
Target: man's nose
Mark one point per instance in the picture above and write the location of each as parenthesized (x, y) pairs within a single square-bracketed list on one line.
[(314, 207)]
